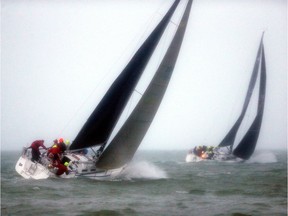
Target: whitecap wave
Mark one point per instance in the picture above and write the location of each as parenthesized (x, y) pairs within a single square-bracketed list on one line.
[(263, 157), (143, 170)]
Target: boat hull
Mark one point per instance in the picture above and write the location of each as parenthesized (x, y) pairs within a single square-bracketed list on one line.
[(30, 170), (80, 166), (218, 156), (84, 166), (190, 157)]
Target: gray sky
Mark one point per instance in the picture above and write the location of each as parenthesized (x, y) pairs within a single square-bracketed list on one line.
[(59, 57)]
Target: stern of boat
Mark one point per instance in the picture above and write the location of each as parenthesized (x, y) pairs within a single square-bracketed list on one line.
[(30, 170)]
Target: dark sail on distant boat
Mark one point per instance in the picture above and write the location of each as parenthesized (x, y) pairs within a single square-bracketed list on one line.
[(125, 143), (231, 135), (247, 145), (101, 122)]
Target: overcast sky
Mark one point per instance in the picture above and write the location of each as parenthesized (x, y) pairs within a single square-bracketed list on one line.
[(59, 57)]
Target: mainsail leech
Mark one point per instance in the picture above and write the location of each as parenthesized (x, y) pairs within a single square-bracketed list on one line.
[(122, 148), (99, 126)]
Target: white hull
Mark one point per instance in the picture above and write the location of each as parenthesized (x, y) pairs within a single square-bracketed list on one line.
[(79, 166), (190, 157), (218, 156), (84, 166), (29, 170)]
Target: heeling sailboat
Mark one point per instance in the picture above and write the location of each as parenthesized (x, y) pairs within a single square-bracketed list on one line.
[(247, 145), (100, 124)]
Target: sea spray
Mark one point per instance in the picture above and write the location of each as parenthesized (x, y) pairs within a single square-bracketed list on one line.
[(263, 157), (143, 170)]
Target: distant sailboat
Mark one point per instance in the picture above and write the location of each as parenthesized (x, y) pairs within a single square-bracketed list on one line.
[(109, 161), (247, 145)]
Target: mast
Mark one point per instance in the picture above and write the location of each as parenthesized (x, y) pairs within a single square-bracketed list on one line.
[(231, 135), (99, 126), (124, 145), (247, 145)]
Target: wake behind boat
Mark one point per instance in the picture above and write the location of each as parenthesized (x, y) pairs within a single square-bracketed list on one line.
[(245, 148), (109, 159)]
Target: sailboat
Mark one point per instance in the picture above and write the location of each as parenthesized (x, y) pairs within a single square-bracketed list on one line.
[(246, 147), (111, 158)]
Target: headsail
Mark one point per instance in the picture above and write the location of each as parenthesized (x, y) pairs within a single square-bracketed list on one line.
[(125, 143), (98, 127), (231, 135), (247, 145)]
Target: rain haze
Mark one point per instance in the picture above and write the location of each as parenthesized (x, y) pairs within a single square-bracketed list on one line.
[(59, 57)]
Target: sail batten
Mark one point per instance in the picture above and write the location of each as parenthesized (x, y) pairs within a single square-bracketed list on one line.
[(124, 145), (99, 126)]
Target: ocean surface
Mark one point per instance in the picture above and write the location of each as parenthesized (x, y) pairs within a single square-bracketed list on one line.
[(156, 183)]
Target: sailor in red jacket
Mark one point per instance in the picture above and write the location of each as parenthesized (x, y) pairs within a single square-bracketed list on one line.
[(54, 154), (35, 149)]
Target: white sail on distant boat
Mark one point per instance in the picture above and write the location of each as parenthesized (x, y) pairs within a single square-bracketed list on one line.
[(111, 158), (246, 147)]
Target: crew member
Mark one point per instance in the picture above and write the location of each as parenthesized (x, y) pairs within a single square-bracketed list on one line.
[(210, 152), (55, 154), (35, 149), (62, 145)]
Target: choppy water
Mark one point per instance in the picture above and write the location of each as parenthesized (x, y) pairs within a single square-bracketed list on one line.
[(156, 183)]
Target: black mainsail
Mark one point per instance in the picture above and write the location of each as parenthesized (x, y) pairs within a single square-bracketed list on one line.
[(125, 143), (99, 126), (247, 145), (229, 139)]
